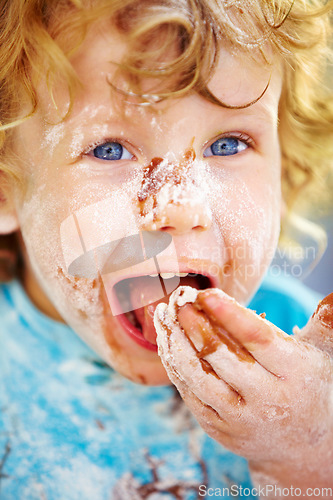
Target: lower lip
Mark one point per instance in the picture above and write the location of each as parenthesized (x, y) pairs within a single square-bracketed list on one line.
[(127, 326), (135, 334)]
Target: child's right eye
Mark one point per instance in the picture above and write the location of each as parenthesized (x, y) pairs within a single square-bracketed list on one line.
[(111, 151)]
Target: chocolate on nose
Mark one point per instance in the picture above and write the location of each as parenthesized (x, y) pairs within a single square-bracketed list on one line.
[(172, 198)]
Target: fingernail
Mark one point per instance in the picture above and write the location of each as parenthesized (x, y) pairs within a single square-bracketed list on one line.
[(186, 316), (209, 300)]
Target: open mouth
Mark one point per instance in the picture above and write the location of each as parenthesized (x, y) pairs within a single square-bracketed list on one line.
[(138, 298)]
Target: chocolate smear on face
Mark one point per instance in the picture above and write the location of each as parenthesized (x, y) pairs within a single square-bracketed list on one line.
[(157, 174)]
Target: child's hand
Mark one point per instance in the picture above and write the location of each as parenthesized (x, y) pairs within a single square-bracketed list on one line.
[(258, 391)]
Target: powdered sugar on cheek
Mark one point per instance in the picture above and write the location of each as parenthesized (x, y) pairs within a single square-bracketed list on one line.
[(247, 213), (52, 137), (52, 246)]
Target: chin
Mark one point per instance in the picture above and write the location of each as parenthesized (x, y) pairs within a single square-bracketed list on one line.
[(139, 372)]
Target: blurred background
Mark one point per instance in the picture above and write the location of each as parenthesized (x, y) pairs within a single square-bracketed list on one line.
[(321, 278)]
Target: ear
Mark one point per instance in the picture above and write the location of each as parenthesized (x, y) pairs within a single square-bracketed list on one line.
[(8, 219)]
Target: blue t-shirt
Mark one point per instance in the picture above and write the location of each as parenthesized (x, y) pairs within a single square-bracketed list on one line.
[(71, 428)]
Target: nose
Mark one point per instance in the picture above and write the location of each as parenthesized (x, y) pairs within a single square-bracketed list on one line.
[(184, 216), (172, 195)]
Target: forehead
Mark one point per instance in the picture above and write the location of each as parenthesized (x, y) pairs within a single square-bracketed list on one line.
[(237, 79)]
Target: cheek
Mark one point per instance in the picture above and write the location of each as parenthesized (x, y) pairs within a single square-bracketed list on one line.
[(82, 302), (53, 242), (247, 209), (252, 223), (41, 217)]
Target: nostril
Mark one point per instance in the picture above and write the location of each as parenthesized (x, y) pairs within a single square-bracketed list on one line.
[(173, 229)]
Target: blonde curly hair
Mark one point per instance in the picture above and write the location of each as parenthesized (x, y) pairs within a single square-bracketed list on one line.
[(38, 38)]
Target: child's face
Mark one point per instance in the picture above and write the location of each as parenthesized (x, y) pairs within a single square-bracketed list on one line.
[(222, 210)]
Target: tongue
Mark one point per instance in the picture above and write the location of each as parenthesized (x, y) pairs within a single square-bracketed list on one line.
[(145, 316), (145, 293)]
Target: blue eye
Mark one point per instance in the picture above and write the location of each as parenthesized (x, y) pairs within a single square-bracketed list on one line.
[(111, 151), (226, 146)]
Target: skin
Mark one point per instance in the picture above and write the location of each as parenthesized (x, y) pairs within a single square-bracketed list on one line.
[(226, 224), (267, 397)]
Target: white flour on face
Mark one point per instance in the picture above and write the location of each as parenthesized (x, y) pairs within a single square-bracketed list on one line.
[(78, 300), (77, 144), (248, 223), (52, 137)]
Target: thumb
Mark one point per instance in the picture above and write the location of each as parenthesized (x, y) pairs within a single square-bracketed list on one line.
[(319, 329)]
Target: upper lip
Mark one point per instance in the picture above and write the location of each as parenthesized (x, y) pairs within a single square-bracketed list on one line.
[(147, 268)]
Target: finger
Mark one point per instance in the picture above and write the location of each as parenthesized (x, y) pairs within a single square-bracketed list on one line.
[(205, 414), (319, 329), (231, 433), (276, 351), (225, 355), (180, 361)]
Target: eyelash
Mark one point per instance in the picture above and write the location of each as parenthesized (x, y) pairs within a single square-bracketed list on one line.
[(234, 135), (246, 139), (88, 151)]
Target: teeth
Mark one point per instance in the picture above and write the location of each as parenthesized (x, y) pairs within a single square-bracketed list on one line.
[(167, 276)]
